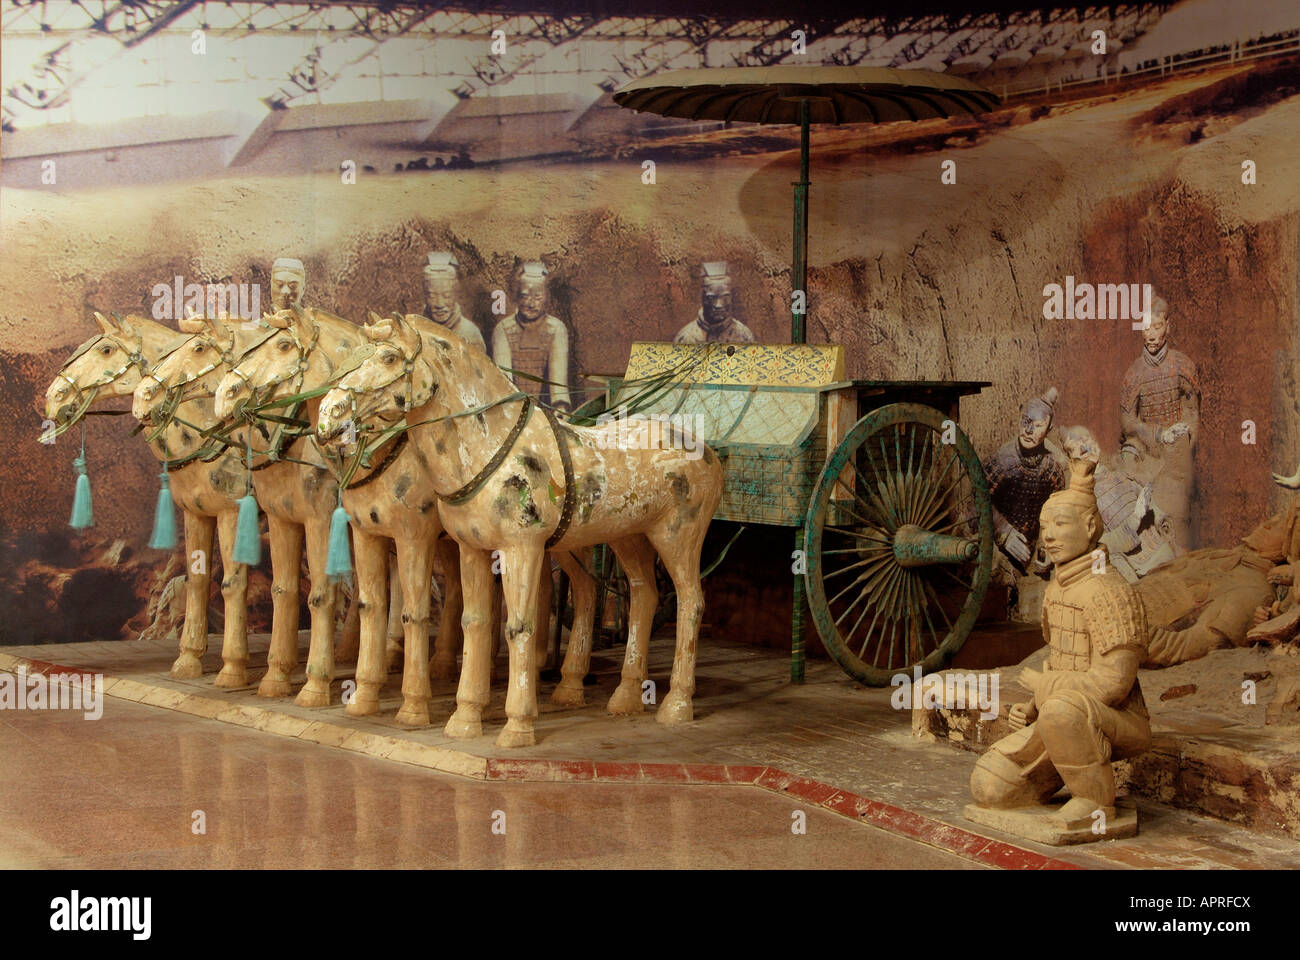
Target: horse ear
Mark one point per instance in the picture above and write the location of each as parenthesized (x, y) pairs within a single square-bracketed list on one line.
[(221, 326), (105, 325), (379, 329), (126, 325), (373, 317), (189, 325)]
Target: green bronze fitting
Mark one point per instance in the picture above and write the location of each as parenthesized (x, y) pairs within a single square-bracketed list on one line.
[(915, 547)]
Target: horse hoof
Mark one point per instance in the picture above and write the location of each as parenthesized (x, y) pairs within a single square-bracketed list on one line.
[(568, 695), (516, 734), (274, 686), (231, 677), (187, 667), (365, 703), (626, 699), (414, 713), (439, 670), (463, 726), (675, 709), (313, 696)]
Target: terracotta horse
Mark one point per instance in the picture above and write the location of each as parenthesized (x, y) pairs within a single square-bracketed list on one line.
[(294, 351), (204, 477), (174, 402), (511, 478), (395, 499)]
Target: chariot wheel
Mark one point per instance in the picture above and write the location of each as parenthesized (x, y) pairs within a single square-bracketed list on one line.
[(899, 544)]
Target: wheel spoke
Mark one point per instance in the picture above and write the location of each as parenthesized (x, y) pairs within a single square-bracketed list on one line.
[(934, 598), (936, 479), (849, 532)]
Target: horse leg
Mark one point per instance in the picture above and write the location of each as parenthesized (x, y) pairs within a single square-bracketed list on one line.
[(680, 552), (519, 578), (542, 615), (194, 635), (447, 559), (393, 648), (476, 622), (577, 658), (286, 562), (415, 564), (321, 599), (349, 640), (638, 560), (498, 626), (234, 590), (372, 601)]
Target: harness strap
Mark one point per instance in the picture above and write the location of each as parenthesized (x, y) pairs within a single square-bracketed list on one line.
[(468, 491), (384, 464), (566, 509)]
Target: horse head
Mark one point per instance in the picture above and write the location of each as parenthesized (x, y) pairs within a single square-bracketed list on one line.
[(109, 364), (302, 350), (395, 378), (191, 371)]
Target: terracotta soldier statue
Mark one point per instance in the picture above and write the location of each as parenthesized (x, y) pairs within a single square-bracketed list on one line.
[(441, 305), (1022, 474), (714, 323), (1160, 411), (533, 342), (288, 281), (1086, 707)]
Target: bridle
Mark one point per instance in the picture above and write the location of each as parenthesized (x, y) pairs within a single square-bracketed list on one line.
[(134, 358), (176, 394)]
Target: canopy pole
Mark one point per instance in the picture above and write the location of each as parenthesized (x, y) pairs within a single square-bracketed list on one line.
[(799, 274)]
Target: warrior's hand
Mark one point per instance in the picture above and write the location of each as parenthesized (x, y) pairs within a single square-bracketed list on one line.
[(1016, 545), (1263, 613), (1022, 714), (1282, 574)]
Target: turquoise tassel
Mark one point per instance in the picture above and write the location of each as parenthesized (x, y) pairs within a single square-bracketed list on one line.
[(248, 539), (164, 521), (338, 561), (82, 514)]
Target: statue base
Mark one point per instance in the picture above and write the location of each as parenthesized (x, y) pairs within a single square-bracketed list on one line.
[(1044, 824)]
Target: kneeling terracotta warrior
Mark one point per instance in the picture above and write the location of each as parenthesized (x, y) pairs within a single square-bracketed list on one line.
[(1087, 707)]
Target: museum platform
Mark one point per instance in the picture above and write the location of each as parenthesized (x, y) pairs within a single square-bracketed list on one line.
[(827, 743)]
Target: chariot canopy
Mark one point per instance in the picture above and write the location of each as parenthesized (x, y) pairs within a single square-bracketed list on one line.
[(805, 95)]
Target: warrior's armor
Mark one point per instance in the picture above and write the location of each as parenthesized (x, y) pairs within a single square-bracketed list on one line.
[(1159, 390), (1085, 616), (1020, 482), (538, 348)]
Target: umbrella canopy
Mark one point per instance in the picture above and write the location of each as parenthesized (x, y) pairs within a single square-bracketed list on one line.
[(804, 96), (833, 94)]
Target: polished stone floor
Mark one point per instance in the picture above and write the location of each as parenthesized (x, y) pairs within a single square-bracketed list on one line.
[(124, 791)]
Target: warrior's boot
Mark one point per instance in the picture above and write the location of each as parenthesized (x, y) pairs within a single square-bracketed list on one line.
[(1092, 788)]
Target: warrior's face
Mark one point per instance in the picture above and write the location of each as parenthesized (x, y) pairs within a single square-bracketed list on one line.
[(715, 298), (1034, 425), (1068, 531), (440, 296), (532, 298), (1156, 333), (286, 289)]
